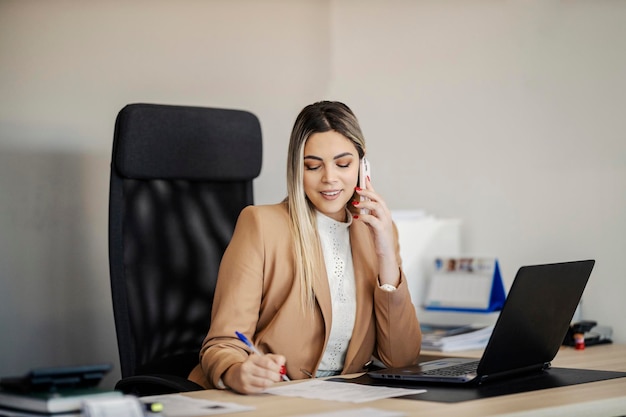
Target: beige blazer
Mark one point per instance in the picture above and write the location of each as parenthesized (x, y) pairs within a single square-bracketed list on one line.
[(258, 294)]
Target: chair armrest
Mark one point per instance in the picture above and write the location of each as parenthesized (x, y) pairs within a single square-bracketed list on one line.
[(142, 385)]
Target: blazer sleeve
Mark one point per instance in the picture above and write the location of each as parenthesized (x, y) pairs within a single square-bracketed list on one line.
[(398, 333), (237, 298)]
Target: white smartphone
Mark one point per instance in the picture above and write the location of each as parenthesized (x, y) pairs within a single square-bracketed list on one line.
[(364, 172)]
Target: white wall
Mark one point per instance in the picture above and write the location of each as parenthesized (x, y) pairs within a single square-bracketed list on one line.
[(508, 115)]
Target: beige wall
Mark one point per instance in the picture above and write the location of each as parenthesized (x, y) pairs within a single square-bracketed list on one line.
[(508, 115)]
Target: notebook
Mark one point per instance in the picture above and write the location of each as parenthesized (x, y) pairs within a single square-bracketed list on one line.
[(527, 335)]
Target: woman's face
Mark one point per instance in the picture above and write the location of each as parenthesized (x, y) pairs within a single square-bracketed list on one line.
[(331, 170)]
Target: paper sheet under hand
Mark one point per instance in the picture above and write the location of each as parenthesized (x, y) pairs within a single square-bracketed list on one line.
[(339, 391)]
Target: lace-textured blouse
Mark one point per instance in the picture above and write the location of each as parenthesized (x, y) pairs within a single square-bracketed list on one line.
[(335, 241)]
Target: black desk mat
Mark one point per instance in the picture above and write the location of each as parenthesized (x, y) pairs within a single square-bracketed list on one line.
[(551, 378)]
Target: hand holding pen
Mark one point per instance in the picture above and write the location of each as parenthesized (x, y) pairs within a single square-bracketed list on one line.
[(244, 339)]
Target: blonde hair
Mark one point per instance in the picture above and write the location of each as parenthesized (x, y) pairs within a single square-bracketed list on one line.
[(319, 117)]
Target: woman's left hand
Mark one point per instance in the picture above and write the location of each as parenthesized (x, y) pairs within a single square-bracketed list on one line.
[(380, 222)]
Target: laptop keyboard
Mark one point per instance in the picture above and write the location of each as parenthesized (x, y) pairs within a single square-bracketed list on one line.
[(454, 370)]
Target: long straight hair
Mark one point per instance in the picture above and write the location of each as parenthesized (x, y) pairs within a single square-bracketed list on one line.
[(319, 117)]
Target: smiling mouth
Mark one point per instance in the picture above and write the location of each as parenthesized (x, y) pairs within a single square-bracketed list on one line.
[(330, 193)]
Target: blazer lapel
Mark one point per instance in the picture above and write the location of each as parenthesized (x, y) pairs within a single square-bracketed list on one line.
[(321, 290)]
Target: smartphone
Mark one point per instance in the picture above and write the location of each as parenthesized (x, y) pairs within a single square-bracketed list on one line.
[(364, 172)]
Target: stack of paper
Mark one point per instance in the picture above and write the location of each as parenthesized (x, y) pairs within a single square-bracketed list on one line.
[(454, 338)]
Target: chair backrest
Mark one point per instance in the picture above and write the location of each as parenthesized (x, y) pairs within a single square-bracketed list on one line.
[(179, 178)]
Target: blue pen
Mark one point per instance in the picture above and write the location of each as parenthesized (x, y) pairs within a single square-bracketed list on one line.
[(245, 340)]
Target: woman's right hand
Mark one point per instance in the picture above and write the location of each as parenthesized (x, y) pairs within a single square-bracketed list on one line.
[(255, 374)]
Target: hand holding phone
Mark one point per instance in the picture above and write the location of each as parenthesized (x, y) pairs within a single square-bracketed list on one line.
[(364, 173)]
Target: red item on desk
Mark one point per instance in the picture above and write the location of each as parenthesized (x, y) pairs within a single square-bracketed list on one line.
[(579, 341)]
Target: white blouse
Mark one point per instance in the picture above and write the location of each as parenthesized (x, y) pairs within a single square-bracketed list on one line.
[(335, 241)]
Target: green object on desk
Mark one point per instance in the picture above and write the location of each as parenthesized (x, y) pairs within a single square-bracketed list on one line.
[(154, 407)]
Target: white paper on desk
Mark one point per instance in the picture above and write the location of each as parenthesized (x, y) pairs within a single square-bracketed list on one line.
[(358, 412), (177, 405), (340, 391)]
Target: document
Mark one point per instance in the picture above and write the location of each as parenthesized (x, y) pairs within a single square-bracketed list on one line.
[(177, 405), (454, 338), (359, 412), (339, 391)]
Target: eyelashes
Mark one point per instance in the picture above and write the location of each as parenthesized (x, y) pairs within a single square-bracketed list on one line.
[(316, 167)]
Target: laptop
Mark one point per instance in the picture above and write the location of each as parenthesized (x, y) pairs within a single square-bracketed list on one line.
[(527, 335)]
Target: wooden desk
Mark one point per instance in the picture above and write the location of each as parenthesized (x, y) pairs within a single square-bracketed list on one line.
[(598, 399)]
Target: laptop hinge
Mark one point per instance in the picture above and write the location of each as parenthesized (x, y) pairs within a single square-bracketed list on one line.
[(505, 374)]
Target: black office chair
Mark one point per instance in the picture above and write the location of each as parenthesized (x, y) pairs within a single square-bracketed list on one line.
[(179, 178)]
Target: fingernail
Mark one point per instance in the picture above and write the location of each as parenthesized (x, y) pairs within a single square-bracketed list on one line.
[(356, 216), (355, 203), (283, 370), (357, 188)]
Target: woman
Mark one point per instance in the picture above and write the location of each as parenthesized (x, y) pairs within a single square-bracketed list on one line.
[(313, 284)]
